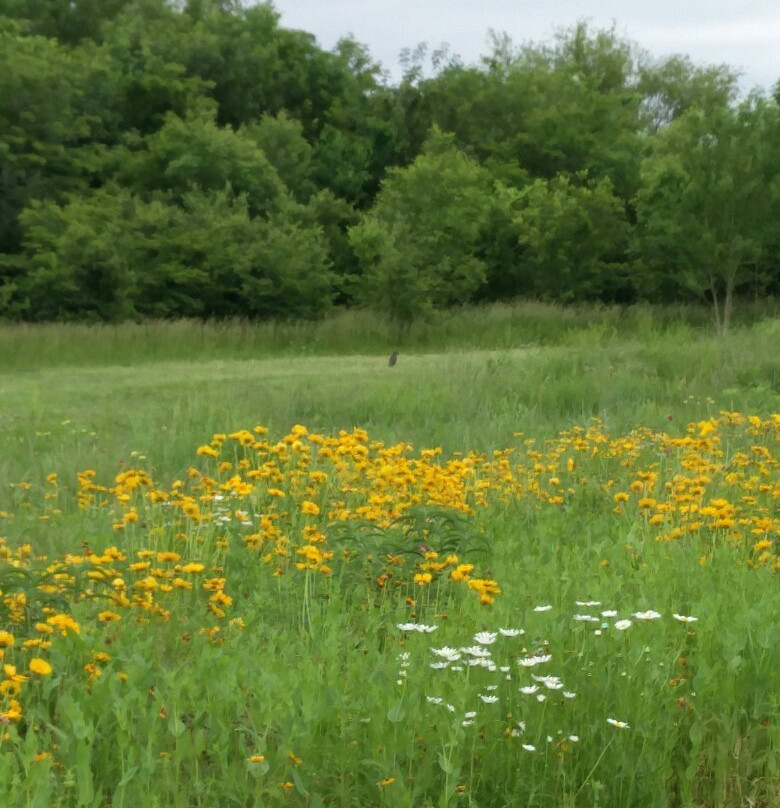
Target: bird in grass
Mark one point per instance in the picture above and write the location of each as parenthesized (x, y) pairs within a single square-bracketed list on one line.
[(393, 358)]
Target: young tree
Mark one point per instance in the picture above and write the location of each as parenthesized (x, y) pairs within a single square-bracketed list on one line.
[(418, 246), (706, 207)]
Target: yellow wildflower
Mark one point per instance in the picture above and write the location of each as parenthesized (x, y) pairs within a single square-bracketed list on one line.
[(40, 666)]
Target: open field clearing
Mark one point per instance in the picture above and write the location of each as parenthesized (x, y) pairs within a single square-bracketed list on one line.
[(532, 573)]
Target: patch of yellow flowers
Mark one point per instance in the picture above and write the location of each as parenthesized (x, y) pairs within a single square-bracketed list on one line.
[(290, 503)]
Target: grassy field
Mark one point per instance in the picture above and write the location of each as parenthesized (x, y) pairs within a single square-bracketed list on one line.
[(533, 564)]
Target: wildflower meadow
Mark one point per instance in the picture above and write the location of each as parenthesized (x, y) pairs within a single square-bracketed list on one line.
[(539, 575)]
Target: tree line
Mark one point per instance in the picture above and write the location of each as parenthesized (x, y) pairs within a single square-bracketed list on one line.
[(196, 158)]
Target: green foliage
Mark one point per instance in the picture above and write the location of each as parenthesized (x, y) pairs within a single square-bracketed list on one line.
[(45, 118), (281, 140), (69, 22), (151, 80), (176, 108), (418, 245), (575, 236), (197, 153), (708, 205), (111, 256), (675, 85)]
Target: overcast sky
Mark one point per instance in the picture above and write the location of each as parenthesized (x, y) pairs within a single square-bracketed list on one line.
[(742, 33)]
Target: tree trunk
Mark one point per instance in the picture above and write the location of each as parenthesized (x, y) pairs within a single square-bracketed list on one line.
[(715, 304), (728, 303)]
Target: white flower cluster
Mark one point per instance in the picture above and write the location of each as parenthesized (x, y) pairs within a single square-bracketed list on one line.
[(479, 655)]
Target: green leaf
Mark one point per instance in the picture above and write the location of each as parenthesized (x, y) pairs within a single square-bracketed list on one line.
[(299, 785), (176, 726), (396, 713)]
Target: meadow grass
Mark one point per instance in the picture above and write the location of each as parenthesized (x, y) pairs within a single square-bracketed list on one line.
[(498, 326), (257, 635)]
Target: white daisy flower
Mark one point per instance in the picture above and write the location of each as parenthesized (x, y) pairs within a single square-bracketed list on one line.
[(421, 627), (609, 613), (529, 747), (618, 724), (588, 602), (553, 682), (529, 690), (491, 687), (470, 714), (540, 697), (648, 615), (437, 666), (585, 618), (622, 625), (476, 651), (529, 662), (511, 632), (545, 608), (574, 738), (567, 694), (485, 637), (467, 723), (685, 619), (488, 699), (434, 700), (446, 651)]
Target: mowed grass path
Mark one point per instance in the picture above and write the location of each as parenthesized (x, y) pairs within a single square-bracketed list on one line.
[(61, 417)]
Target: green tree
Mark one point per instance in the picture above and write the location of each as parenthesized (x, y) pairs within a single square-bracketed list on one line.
[(69, 22), (44, 119), (281, 140), (706, 210), (418, 246), (673, 86), (147, 44), (567, 107), (110, 255), (333, 217), (197, 153), (575, 238)]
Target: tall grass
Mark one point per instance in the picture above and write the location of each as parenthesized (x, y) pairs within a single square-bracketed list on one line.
[(491, 327)]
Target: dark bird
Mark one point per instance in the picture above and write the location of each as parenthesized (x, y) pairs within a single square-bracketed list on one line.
[(393, 358)]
